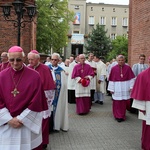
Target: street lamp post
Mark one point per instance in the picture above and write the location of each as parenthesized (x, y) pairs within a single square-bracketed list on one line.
[(101, 49), (20, 8)]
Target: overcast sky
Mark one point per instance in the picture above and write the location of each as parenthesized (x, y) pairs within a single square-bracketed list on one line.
[(123, 2)]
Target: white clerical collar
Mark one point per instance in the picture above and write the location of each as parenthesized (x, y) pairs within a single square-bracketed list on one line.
[(19, 69), (54, 67), (36, 65)]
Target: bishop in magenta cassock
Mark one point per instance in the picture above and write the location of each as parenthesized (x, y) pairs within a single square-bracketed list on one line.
[(22, 101), (82, 72), (141, 95), (121, 82), (49, 89)]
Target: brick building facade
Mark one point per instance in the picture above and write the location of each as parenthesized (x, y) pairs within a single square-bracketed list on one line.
[(8, 33), (139, 30)]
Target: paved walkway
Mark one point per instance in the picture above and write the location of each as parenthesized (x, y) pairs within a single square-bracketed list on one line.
[(98, 130)]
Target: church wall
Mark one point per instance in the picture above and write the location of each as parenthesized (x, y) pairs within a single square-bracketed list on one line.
[(139, 30)]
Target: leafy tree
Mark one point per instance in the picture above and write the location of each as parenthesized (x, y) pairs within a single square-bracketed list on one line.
[(52, 24), (120, 46), (97, 42)]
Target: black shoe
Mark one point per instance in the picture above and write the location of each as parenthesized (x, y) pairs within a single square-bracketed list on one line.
[(44, 146), (81, 114), (101, 102), (97, 102), (119, 119)]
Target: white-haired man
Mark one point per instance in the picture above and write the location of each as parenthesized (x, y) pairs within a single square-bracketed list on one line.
[(82, 73), (60, 102), (48, 86), (4, 61)]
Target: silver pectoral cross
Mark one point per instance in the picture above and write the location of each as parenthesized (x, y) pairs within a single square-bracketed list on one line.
[(15, 92)]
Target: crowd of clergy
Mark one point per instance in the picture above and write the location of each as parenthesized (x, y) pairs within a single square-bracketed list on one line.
[(34, 99)]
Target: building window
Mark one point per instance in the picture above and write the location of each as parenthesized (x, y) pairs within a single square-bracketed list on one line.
[(103, 9), (91, 8), (91, 20), (114, 21), (125, 22), (125, 11), (76, 7), (114, 10), (102, 20), (75, 32), (113, 36)]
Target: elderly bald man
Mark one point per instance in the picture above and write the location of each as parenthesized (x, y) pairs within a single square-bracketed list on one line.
[(82, 73), (48, 86)]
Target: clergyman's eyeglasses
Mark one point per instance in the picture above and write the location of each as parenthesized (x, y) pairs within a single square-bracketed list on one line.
[(54, 59), (17, 59)]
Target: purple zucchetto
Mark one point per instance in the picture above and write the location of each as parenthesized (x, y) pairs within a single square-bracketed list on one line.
[(34, 51), (15, 49)]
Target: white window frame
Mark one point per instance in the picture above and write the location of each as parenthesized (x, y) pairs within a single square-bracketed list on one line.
[(102, 20), (125, 21), (114, 21), (91, 20), (113, 36), (76, 7)]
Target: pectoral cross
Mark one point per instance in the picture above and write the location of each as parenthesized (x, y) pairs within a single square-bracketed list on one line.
[(15, 92), (121, 75), (82, 69), (121, 72)]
